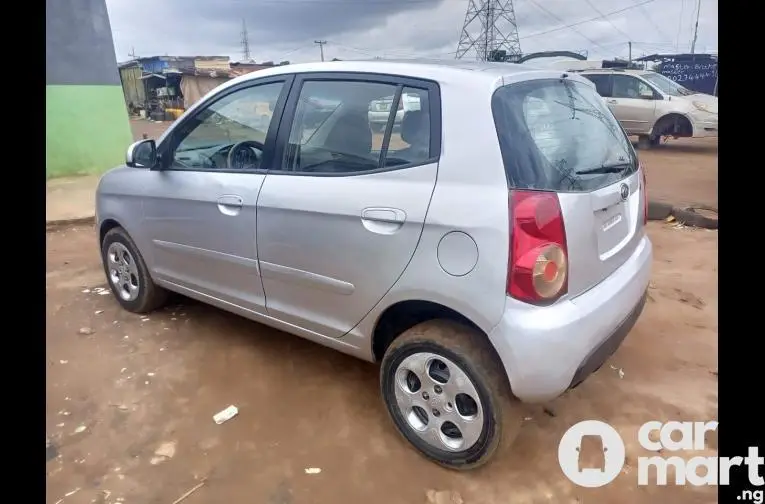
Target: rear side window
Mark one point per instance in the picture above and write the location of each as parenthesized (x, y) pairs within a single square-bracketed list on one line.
[(558, 135), (602, 83)]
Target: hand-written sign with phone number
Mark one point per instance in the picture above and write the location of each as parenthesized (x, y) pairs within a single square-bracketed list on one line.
[(685, 72), (699, 76)]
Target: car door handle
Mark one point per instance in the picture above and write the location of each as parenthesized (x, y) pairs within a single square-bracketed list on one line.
[(383, 220), (230, 204), (612, 102), (393, 215)]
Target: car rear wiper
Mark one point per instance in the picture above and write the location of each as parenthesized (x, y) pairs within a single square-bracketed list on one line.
[(612, 168)]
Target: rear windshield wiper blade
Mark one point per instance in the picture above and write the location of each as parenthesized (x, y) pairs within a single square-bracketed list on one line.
[(613, 168)]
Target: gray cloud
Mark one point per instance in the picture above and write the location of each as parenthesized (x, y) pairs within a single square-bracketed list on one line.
[(286, 29)]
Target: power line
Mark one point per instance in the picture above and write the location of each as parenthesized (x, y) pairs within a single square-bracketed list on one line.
[(578, 23), (679, 25), (543, 9), (603, 16), (656, 27)]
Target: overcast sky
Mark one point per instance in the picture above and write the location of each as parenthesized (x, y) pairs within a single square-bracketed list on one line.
[(361, 29)]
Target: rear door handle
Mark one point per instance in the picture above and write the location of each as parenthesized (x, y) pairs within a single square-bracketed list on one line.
[(390, 215), (383, 220), (612, 102), (230, 204)]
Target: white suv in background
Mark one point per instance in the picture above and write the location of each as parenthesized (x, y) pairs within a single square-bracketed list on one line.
[(650, 106)]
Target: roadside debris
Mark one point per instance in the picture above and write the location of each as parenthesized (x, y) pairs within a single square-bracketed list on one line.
[(191, 491), (68, 494), (226, 414), (80, 429), (619, 371), (85, 331), (62, 361), (312, 470), (51, 451), (443, 497), (165, 451), (99, 312)]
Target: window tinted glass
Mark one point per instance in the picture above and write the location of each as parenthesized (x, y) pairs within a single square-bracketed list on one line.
[(410, 138), (331, 131), (243, 116), (602, 83), (558, 135), (626, 86)]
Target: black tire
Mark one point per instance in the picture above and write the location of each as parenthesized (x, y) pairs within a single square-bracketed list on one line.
[(689, 217), (502, 414), (150, 296), (658, 210)]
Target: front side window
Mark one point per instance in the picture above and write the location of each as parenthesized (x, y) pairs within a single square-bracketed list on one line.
[(229, 134), (626, 86), (667, 86), (342, 127)]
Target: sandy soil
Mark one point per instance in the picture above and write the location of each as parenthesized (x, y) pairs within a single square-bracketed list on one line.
[(130, 399)]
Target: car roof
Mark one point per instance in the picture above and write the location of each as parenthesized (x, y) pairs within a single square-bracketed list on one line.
[(437, 70), (630, 71)]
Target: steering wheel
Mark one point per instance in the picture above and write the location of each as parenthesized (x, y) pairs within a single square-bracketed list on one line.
[(242, 155)]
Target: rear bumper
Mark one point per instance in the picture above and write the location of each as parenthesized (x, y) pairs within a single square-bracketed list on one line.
[(547, 350)]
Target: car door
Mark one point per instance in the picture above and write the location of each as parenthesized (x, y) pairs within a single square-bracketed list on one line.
[(200, 208), (340, 219), (633, 103)]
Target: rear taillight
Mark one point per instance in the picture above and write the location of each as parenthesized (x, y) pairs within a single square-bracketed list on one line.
[(644, 192), (538, 269)]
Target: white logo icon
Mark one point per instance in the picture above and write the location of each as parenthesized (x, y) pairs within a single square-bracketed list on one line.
[(570, 451)]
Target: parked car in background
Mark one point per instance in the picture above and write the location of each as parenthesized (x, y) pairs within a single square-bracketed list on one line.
[(379, 110), (651, 106), (494, 253)]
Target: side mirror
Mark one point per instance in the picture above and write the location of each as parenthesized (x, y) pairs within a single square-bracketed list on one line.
[(646, 95), (142, 154)]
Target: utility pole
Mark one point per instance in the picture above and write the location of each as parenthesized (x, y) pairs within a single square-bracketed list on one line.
[(245, 42), (132, 52), (630, 57), (696, 28), (321, 47)]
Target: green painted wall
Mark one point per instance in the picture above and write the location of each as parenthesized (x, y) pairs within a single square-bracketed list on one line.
[(87, 129)]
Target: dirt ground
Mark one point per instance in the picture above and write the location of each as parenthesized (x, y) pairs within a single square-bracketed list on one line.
[(130, 399)]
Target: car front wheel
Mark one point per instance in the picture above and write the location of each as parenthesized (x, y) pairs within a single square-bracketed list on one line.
[(128, 275), (447, 394)]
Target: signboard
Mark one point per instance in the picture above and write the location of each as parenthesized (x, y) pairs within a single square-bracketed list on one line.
[(699, 75)]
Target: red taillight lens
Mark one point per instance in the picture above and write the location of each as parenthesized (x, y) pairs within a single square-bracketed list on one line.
[(538, 269), (644, 192)]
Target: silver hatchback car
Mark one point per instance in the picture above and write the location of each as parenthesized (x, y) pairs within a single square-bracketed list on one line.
[(490, 251)]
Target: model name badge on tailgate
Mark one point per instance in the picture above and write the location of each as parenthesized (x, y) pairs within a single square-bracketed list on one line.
[(612, 221)]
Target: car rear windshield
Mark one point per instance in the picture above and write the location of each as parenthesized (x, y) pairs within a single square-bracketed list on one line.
[(558, 135)]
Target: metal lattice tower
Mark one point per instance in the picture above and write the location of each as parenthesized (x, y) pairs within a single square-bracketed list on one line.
[(245, 42), (490, 31)]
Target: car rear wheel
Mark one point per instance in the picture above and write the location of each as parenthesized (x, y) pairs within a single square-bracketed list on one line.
[(128, 275), (447, 394)]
